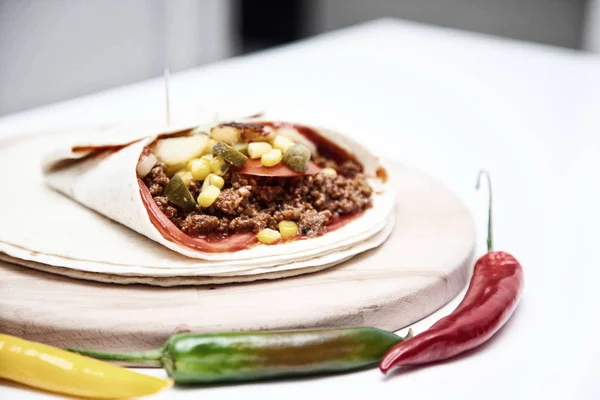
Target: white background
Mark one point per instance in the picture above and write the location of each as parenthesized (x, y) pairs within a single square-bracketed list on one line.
[(53, 50), (448, 103), (556, 22)]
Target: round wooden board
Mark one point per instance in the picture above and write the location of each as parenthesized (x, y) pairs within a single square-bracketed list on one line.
[(422, 266), (424, 263)]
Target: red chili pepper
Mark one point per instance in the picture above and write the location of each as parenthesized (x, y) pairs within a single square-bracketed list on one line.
[(491, 298)]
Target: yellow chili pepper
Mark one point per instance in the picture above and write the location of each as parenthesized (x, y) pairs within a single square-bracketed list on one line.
[(61, 371)]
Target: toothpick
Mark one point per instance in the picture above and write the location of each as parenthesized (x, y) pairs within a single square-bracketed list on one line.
[(167, 96)]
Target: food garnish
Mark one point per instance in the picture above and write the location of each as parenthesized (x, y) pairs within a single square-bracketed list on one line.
[(258, 149), (177, 193), (272, 158), (208, 196), (268, 236), (297, 157), (229, 154), (288, 229)]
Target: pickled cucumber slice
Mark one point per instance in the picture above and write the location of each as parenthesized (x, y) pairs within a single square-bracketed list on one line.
[(229, 154), (177, 193), (218, 165), (242, 147), (297, 158)]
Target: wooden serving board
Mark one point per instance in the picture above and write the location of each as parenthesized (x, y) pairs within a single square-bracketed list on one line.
[(424, 263)]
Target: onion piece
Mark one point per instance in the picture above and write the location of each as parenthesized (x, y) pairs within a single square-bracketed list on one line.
[(145, 165)]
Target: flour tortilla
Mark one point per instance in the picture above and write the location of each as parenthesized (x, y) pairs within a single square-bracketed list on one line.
[(167, 264), (45, 230), (171, 278), (107, 184), (169, 281)]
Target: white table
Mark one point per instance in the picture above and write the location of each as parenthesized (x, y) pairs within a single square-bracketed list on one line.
[(449, 103)]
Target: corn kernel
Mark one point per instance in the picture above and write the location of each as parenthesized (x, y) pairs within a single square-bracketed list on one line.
[(186, 176), (200, 168), (271, 158), (329, 172), (218, 165), (208, 196), (268, 236), (282, 143), (257, 149), (209, 145), (213, 180), (288, 229)]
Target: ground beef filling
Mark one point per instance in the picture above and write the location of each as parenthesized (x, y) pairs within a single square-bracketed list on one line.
[(249, 203)]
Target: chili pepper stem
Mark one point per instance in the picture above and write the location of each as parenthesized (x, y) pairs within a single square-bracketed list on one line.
[(150, 357), (489, 182)]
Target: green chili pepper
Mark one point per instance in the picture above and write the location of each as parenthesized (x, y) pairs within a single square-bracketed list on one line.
[(245, 356)]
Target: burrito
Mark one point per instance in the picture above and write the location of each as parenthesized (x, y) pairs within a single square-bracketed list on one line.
[(232, 190)]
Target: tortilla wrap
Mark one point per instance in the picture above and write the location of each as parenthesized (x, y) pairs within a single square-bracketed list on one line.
[(45, 230), (167, 278), (100, 174)]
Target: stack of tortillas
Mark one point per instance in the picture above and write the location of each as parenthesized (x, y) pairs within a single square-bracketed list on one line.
[(78, 211)]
